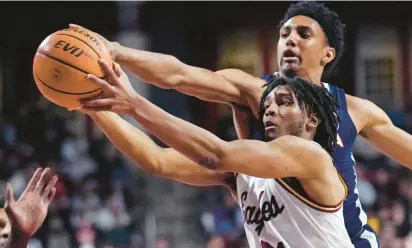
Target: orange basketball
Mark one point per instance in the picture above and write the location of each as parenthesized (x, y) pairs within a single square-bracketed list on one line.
[(62, 62)]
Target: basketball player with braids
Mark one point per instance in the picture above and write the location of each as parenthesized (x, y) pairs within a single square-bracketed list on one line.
[(20, 220), (311, 42), (288, 188)]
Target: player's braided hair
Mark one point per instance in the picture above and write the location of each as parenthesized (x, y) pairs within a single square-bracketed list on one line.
[(332, 26), (315, 99), (2, 201)]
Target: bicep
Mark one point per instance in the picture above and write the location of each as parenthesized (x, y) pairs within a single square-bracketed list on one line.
[(175, 166), (287, 156)]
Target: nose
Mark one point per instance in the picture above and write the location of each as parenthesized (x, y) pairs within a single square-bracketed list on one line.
[(271, 110), (292, 39)]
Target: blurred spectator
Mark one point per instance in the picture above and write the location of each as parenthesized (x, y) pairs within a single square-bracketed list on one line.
[(92, 205)]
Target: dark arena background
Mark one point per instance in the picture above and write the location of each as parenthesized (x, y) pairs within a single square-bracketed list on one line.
[(105, 200)]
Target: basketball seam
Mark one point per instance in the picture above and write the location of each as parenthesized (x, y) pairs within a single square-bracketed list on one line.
[(64, 92), (65, 63), (81, 41)]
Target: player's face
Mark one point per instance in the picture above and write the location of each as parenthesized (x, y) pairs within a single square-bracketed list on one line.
[(283, 115), (4, 227), (302, 47)]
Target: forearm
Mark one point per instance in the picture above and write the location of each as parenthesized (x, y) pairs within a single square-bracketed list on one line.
[(391, 141), (158, 69), (166, 71), (194, 142), (17, 240), (131, 141)]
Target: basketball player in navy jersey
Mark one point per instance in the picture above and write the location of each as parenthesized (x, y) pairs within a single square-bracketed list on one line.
[(289, 190), (311, 42), (20, 220)]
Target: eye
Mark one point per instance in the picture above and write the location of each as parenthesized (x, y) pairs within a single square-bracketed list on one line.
[(266, 106), (285, 102), (304, 35), (284, 33)]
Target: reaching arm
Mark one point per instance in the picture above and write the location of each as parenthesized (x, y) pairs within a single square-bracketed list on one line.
[(164, 162), (376, 127), (249, 157), (166, 71)]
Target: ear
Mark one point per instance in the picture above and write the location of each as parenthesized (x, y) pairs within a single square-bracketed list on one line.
[(313, 122), (329, 55)]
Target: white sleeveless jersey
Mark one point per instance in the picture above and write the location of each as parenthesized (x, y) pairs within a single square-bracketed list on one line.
[(276, 215)]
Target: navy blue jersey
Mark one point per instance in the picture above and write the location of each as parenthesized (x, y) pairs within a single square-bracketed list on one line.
[(355, 217)]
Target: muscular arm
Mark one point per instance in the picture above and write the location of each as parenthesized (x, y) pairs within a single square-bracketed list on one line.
[(164, 162), (375, 126), (284, 157), (166, 71)]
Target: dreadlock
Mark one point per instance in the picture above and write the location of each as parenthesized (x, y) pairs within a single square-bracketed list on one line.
[(315, 99)]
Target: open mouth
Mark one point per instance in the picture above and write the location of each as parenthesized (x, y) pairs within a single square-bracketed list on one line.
[(269, 125), (290, 56)]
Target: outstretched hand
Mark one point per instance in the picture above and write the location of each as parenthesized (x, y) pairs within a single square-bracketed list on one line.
[(27, 214), (119, 94)]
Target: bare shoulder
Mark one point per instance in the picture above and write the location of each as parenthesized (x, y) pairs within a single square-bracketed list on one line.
[(304, 152)]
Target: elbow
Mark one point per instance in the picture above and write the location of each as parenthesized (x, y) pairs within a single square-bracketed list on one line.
[(211, 162), (217, 157), (174, 76)]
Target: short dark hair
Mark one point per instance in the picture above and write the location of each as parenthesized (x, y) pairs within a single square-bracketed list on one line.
[(329, 20), (2, 201), (315, 99)]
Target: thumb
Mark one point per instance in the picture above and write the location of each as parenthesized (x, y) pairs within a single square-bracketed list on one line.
[(9, 201)]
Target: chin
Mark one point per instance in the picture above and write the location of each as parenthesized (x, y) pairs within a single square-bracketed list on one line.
[(290, 71), (271, 136)]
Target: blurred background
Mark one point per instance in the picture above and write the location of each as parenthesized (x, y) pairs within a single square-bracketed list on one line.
[(104, 200)]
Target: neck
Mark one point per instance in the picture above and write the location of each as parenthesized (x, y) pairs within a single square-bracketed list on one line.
[(313, 76), (307, 136)]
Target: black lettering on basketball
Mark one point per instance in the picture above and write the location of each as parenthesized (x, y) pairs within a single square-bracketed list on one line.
[(67, 47), (87, 35), (59, 43)]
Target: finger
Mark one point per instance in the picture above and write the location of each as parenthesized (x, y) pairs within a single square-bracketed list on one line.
[(45, 177), (100, 81), (111, 76), (33, 181), (72, 25), (51, 196), (99, 102), (116, 68), (93, 109), (49, 186), (90, 98), (9, 201)]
